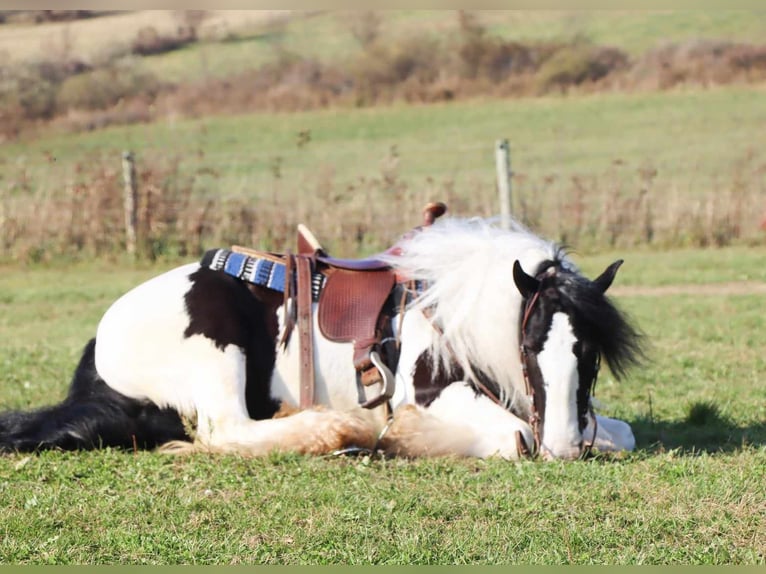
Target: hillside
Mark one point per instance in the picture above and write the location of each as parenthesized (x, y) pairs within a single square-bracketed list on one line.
[(137, 66), (620, 156)]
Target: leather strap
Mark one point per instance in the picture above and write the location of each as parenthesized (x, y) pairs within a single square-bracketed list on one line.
[(303, 265), (288, 302)]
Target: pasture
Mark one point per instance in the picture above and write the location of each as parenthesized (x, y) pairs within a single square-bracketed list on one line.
[(693, 492), (675, 169)]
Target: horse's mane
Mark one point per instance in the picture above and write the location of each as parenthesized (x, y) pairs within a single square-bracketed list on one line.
[(466, 266), (619, 342)]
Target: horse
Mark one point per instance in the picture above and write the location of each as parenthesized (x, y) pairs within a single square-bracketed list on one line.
[(493, 342)]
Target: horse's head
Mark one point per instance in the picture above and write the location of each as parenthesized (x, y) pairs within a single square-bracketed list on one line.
[(567, 325)]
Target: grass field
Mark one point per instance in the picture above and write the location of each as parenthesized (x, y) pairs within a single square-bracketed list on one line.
[(328, 36), (691, 137), (703, 146), (694, 492)]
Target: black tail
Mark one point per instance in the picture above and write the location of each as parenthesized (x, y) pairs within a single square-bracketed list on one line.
[(93, 415)]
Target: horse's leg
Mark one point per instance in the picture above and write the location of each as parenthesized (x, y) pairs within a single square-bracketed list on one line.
[(459, 422), (612, 435), (223, 422)]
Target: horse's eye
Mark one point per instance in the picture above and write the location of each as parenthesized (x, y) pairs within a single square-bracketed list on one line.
[(577, 349)]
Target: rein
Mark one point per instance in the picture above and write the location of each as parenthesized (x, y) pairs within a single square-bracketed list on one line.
[(521, 446), (534, 416)]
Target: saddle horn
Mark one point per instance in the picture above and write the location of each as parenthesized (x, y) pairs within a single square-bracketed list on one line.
[(433, 211)]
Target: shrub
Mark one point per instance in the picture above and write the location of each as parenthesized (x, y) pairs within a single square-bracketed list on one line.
[(41, 16), (698, 61), (364, 26), (577, 64), (31, 90), (149, 41), (124, 113), (383, 66), (103, 88), (190, 22), (481, 56)]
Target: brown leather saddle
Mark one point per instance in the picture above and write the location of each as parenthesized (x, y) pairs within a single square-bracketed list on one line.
[(351, 305)]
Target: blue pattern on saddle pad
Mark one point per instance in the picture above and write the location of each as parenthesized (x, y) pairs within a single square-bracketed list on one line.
[(258, 271), (261, 271), (235, 264)]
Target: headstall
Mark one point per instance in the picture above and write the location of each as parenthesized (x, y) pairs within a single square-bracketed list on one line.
[(534, 415)]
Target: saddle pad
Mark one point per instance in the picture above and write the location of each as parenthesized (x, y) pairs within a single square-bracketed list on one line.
[(351, 302), (263, 269)]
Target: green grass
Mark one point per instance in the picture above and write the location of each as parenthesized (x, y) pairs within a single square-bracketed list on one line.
[(697, 140), (119, 508), (694, 492), (326, 35), (681, 266)]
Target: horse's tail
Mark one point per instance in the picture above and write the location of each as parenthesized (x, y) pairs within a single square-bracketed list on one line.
[(93, 415)]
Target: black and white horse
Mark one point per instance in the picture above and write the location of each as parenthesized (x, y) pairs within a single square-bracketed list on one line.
[(198, 344)]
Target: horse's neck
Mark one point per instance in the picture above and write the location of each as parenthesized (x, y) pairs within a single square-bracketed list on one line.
[(420, 339)]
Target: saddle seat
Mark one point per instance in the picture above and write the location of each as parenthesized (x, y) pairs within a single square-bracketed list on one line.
[(308, 245), (368, 264)]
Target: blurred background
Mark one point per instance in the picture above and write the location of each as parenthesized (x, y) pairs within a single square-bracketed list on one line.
[(632, 129)]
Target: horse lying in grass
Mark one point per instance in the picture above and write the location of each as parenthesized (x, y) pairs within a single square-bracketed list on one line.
[(484, 342)]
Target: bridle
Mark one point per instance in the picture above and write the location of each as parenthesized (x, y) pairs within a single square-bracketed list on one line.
[(534, 416)]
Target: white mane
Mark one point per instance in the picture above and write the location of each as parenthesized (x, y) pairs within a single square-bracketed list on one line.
[(467, 266)]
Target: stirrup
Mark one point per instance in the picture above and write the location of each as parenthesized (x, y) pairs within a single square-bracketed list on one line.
[(389, 382)]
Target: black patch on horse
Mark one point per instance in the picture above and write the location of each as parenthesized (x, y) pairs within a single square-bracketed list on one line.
[(224, 310), (430, 381), (93, 415)]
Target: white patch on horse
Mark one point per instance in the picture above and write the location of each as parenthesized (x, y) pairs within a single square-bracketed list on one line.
[(493, 428), (149, 322), (561, 436)]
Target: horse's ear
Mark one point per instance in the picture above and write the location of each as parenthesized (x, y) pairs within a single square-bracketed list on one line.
[(526, 284), (604, 280)]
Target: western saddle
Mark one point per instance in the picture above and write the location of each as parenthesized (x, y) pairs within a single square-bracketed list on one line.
[(351, 308)]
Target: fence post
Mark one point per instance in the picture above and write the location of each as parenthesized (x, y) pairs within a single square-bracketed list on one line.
[(503, 166), (130, 201)]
